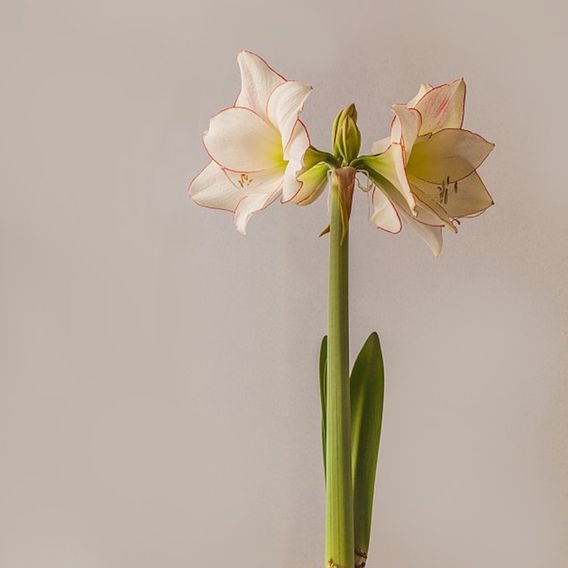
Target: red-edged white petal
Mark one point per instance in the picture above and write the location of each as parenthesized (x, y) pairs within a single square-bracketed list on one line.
[(381, 145), (314, 181), (432, 236), (298, 144), (258, 80), (390, 165), (291, 185), (294, 154), (424, 88), (427, 216), (284, 106), (383, 212), (249, 205), (212, 188), (442, 107), (468, 197), (405, 127), (239, 139), (451, 153), (427, 209)]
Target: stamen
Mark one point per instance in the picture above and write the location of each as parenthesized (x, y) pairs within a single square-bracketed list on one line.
[(444, 189), (244, 181)]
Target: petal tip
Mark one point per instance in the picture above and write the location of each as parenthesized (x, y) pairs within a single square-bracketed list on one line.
[(240, 225), (245, 53)]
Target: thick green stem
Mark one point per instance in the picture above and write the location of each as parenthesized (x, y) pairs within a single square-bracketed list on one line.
[(339, 493)]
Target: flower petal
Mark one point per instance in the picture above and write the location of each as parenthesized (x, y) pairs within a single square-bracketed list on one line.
[(442, 107), (468, 197), (424, 88), (451, 153), (381, 145), (383, 212), (390, 165), (294, 153), (263, 182), (284, 106), (239, 139), (432, 236), (424, 222), (405, 128), (426, 215), (212, 188), (430, 212), (291, 185), (314, 181), (258, 80), (249, 205), (298, 144)]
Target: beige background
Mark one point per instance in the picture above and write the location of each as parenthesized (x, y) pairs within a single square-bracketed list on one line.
[(159, 403)]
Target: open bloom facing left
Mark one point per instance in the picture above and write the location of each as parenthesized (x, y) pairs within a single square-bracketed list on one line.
[(256, 146)]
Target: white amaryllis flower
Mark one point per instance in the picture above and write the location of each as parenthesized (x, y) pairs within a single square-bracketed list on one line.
[(256, 146), (425, 171)]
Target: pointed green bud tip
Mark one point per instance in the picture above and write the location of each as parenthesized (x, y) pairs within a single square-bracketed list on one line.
[(346, 137)]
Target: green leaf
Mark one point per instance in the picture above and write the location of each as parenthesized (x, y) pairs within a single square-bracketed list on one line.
[(323, 394), (367, 392)]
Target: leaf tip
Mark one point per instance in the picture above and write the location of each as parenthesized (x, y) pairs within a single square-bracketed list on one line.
[(374, 340)]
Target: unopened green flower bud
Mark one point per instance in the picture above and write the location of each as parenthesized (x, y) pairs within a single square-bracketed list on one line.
[(346, 137)]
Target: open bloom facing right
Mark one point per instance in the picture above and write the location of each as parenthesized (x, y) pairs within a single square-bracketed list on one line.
[(425, 172)]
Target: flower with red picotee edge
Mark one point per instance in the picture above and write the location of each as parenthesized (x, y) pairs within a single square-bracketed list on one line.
[(424, 173), (256, 147)]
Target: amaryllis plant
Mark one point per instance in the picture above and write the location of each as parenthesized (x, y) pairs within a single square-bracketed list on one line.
[(424, 174)]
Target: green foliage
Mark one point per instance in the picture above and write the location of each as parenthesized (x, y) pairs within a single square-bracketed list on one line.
[(323, 394), (367, 393)]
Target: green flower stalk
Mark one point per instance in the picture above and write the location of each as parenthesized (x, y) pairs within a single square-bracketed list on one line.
[(340, 547)]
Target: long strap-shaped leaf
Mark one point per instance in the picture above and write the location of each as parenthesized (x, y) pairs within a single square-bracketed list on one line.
[(323, 396), (367, 393)]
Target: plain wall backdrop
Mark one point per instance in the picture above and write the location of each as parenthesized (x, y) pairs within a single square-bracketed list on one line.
[(159, 400)]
